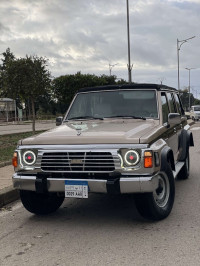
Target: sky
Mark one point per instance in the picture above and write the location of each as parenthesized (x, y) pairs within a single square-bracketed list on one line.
[(90, 36)]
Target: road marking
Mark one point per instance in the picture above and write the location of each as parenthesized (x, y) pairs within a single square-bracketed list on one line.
[(195, 128)]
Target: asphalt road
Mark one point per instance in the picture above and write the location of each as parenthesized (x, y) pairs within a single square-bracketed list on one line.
[(105, 230)]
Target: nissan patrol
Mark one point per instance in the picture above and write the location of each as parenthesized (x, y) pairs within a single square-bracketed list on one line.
[(113, 139)]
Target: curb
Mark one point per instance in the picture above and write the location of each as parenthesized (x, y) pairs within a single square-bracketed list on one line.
[(5, 163), (8, 195)]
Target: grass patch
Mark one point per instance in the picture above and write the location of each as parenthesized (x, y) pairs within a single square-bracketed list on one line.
[(8, 144)]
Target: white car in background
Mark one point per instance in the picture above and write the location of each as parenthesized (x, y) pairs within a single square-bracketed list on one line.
[(195, 112)]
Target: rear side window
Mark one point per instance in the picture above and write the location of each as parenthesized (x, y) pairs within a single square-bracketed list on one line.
[(171, 102), (178, 104), (165, 107)]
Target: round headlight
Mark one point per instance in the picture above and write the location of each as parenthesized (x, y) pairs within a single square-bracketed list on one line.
[(29, 157), (131, 157)]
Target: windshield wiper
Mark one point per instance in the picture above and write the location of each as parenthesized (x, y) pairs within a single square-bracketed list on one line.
[(84, 117), (127, 117)]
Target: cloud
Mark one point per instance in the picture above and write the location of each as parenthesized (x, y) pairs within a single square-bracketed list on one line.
[(88, 35)]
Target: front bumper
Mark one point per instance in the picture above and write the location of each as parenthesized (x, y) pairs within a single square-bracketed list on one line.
[(136, 184)]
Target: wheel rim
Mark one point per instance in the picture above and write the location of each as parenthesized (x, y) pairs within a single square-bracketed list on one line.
[(161, 194)]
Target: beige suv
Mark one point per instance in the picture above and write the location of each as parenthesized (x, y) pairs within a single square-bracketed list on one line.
[(113, 139)]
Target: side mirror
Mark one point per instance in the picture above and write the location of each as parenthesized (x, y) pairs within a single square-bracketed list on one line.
[(174, 118), (59, 120)]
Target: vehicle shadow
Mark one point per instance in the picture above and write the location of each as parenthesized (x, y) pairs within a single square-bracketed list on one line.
[(98, 208)]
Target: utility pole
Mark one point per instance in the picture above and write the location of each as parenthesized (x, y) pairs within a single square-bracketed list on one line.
[(111, 67), (189, 83), (161, 79), (129, 56)]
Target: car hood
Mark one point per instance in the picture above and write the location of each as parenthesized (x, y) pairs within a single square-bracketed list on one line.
[(98, 132)]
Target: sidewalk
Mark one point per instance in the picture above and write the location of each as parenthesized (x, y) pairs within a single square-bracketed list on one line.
[(9, 128), (7, 192)]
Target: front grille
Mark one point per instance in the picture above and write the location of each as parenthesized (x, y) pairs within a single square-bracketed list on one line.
[(77, 162)]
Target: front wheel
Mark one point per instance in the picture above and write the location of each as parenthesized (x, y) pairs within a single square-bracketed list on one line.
[(40, 203), (158, 204)]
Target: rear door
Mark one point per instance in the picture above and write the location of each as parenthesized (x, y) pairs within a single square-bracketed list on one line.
[(174, 108)]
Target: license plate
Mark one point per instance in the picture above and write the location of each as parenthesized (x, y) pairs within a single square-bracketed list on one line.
[(76, 189)]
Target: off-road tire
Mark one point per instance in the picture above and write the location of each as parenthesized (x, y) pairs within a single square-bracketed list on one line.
[(158, 204), (40, 203)]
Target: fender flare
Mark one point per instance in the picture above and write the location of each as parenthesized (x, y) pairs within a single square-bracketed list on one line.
[(185, 141), (167, 156)]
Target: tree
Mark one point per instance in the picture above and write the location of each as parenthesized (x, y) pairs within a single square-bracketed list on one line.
[(8, 57), (26, 78), (184, 95), (65, 87), (196, 102)]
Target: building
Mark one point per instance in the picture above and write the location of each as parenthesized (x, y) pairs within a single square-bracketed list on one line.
[(8, 110)]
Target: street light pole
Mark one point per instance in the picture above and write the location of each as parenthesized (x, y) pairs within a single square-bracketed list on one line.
[(179, 44), (189, 83), (129, 56)]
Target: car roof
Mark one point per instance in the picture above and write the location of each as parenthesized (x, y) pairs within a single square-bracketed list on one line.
[(128, 87)]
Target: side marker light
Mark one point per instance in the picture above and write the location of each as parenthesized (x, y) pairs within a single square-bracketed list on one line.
[(15, 159)]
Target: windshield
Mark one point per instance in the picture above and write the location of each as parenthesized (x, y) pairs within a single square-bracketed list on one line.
[(118, 103), (197, 108)]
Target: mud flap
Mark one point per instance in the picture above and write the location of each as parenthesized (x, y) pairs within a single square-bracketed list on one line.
[(185, 141)]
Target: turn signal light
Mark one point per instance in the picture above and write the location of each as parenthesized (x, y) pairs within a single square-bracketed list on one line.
[(15, 160), (148, 159)]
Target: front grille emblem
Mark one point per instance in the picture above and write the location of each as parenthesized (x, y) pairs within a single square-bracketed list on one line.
[(78, 131), (76, 161)]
